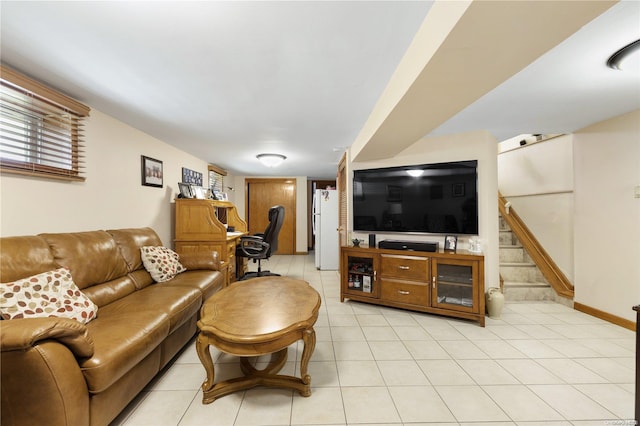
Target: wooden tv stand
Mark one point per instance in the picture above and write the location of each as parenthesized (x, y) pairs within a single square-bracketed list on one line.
[(443, 283)]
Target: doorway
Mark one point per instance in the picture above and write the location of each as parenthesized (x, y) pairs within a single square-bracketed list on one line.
[(262, 194)]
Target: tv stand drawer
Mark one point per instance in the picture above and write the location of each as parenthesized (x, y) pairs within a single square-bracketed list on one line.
[(405, 267), (412, 293)]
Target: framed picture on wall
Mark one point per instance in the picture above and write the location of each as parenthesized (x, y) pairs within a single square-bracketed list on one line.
[(191, 177), (152, 173)]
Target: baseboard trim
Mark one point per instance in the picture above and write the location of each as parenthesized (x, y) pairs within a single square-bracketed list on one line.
[(301, 252), (605, 316)]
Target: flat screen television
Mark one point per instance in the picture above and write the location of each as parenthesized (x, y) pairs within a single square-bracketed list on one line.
[(439, 198)]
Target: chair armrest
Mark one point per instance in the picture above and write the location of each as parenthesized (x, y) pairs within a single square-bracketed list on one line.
[(201, 260), (24, 333), (251, 238), (253, 247)]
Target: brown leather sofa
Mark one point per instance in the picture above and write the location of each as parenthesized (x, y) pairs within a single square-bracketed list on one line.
[(58, 371)]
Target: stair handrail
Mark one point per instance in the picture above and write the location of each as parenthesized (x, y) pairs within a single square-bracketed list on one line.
[(550, 270)]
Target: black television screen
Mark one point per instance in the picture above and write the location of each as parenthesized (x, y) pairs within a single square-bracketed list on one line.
[(437, 198)]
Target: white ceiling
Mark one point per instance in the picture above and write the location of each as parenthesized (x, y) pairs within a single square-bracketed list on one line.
[(226, 81)]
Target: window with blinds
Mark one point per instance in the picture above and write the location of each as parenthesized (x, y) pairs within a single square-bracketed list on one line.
[(216, 178), (41, 130)]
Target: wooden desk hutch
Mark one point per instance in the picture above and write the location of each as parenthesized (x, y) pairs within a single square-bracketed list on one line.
[(200, 226)]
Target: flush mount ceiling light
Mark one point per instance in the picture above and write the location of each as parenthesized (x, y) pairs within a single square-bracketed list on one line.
[(415, 172), (616, 59), (271, 160)]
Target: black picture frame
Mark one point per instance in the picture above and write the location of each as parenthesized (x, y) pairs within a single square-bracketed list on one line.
[(191, 177), (450, 243), (185, 190), (151, 171)]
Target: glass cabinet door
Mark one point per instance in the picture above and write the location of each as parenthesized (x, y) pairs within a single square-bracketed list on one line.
[(360, 276), (452, 285)]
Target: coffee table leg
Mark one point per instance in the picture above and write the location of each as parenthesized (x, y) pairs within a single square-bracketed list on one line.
[(309, 339), (202, 347)]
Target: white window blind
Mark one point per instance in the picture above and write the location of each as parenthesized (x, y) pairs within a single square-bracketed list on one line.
[(41, 130), (216, 178)]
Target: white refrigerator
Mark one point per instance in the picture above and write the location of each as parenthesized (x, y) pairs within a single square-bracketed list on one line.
[(325, 229)]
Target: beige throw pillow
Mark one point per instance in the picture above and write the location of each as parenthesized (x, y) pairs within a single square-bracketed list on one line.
[(50, 294), (162, 263)]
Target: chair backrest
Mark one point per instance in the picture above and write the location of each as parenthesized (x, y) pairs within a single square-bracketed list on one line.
[(276, 219)]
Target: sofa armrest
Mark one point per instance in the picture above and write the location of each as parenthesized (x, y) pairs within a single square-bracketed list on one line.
[(22, 334), (201, 260), (40, 378)]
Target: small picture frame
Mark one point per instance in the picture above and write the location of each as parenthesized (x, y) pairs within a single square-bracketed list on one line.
[(198, 192), (217, 195), (223, 196), (185, 190), (152, 173), (450, 243)]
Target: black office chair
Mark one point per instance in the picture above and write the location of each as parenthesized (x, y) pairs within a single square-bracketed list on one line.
[(262, 246)]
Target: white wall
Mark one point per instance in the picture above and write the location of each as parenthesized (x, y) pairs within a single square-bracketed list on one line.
[(112, 195), (607, 216), (479, 146), (538, 180), (239, 197)]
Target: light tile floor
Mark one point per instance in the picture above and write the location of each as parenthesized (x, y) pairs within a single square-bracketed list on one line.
[(539, 364)]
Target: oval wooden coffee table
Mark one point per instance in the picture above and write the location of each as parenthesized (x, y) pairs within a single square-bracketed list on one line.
[(256, 317)]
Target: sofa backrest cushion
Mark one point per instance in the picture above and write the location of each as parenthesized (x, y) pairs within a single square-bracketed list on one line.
[(129, 242), (22, 257), (92, 257)]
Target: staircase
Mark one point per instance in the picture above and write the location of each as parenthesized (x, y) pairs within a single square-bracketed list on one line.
[(527, 268), (522, 280)]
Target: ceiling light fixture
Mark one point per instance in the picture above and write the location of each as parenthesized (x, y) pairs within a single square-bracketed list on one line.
[(616, 59), (415, 172), (271, 160)]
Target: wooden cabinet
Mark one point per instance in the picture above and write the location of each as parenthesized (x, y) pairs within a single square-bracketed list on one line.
[(202, 225), (359, 277), (443, 283)]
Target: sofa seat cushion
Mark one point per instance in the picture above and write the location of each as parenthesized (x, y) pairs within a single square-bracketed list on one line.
[(178, 303), (207, 282), (122, 338)]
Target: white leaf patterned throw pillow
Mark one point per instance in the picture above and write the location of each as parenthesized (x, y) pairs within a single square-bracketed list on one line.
[(162, 263), (49, 294)]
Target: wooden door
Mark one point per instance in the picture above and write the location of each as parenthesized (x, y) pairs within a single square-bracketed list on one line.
[(263, 194), (341, 182)]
